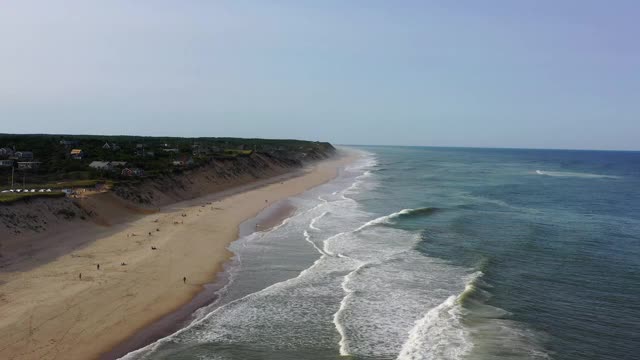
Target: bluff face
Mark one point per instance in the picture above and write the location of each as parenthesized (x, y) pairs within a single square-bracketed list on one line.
[(191, 168)]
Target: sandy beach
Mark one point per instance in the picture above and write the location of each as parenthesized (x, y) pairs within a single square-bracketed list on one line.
[(68, 308)]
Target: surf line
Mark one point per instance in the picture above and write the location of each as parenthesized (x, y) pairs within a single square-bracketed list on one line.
[(344, 345)]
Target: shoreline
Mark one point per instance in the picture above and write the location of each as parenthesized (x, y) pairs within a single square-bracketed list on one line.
[(94, 315), (183, 315)]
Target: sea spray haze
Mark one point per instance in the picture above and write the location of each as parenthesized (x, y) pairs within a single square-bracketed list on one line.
[(438, 253)]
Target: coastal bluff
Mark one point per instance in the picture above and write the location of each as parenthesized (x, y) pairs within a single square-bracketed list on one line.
[(28, 225)]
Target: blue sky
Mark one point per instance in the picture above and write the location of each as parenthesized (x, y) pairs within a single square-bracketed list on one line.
[(542, 74)]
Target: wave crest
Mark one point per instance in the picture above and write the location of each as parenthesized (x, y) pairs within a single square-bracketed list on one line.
[(404, 213), (575, 174)]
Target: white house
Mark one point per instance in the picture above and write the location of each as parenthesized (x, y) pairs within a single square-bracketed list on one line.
[(24, 155), (6, 152), (28, 165)]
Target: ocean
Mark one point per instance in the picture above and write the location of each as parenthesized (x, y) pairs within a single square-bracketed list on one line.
[(438, 253)]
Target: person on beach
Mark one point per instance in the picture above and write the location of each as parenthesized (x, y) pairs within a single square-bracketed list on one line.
[(98, 266), (184, 279), (80, 276)]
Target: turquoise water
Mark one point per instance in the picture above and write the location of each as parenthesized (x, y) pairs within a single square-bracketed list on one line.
[(439, 253)]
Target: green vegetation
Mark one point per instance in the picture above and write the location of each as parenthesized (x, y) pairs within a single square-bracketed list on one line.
[(233, 152), (153, 156)]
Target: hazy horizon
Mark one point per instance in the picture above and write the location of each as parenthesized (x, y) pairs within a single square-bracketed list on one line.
[(497, 75)]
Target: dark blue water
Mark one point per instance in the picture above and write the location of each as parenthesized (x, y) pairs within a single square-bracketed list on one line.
[(559, 248), (440, 253)]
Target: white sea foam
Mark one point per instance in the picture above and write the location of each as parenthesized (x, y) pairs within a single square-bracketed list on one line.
[(307, 237), (575, 174), (440, 334), (343, 344), (316, 219), (368, 283), (387, 219), (383, 219)]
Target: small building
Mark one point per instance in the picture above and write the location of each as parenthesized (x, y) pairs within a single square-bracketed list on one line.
[(100, 165), (28, 165), (6, 163), (118, 163), (76, 154), (23, 155), (112, 146), (6, 152), (173, 150)]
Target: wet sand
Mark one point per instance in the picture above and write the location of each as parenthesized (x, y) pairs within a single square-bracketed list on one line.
[(269, 218)]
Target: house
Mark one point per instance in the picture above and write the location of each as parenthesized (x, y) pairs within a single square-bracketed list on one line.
[(76, 154), (118, 163), (6, 163), (100, 165), (174, 150), (23, 155), (28, 165), (112, 146), (6, 152)]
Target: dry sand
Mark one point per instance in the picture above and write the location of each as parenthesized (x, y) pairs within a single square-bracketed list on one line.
[(48, 312)]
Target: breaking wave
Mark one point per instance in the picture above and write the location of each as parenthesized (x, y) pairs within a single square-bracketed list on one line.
[(441, 334), (404, 213), (575, 174)]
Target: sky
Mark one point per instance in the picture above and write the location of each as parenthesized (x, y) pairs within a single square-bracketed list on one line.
[(525, 74)]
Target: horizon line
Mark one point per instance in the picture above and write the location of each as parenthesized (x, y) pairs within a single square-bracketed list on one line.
[(336, 144)]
